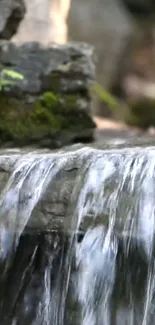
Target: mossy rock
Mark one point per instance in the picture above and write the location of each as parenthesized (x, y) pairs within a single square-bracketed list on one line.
[(142, 113), (50, 118)]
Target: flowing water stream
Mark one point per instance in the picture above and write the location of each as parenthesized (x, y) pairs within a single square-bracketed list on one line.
[(99, 268)]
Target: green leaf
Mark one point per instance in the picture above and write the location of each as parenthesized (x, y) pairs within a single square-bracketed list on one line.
[(104, 95), (12, 74)]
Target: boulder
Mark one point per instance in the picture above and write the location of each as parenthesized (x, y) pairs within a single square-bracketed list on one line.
[(11, 14), (44, 95)]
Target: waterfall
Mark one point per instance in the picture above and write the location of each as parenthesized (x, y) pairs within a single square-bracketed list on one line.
[(97, 268)]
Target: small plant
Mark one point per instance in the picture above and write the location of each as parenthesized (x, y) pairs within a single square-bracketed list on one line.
[(104, 96), (7, 75)]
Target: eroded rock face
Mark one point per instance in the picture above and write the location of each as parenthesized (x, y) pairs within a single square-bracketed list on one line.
[(49, 105), (11, 14)]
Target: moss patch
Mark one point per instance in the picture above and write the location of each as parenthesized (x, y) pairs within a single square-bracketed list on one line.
[(48, 116)]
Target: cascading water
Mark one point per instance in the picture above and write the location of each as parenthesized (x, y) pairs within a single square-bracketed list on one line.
[(99, 267)]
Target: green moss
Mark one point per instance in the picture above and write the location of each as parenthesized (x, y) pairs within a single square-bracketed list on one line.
[(48, 99), (142, 112), (47, 116)]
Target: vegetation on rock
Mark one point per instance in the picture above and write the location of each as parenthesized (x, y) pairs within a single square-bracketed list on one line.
[(47, 116), (8, 78), (43, 99)]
